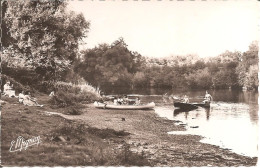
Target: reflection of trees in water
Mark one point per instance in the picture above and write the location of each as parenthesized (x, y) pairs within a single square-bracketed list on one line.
[(178, 111), (251, 98)]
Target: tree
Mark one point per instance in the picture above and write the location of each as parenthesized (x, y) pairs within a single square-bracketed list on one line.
[(251, 76), (199, 79), (45, 36), (248, 67), (111, 64)]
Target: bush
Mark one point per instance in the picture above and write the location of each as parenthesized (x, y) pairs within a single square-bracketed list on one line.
[(68, 94), (74, 110), (127, 158)]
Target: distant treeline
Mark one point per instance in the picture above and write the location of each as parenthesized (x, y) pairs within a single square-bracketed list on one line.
[(41, 46), (117, 66)]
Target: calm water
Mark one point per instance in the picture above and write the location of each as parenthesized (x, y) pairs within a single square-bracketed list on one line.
[(231, 122)]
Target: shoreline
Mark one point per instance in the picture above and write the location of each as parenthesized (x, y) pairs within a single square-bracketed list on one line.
[(145, 134), (149, 136)]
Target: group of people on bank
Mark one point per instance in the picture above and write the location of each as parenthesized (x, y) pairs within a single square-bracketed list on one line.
[(24, 97)]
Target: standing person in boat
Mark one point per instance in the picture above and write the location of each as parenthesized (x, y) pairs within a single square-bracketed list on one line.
[(186, 99), (208, 98)]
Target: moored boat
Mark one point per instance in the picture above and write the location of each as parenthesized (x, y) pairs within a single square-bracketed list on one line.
[(124, 107)]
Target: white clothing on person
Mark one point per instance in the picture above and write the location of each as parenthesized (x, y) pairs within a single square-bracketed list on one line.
[(207, 97), (120, 101), (21, 97), (29, 101), (52, 94), (8, 90), (137, 101), (115, 102), (186, 100)]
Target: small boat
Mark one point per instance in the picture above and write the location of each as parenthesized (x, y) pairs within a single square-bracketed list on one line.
[(124, 107), (185, 106), (190, 106)]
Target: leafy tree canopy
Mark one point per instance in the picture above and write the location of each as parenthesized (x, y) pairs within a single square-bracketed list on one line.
[(44, 34)]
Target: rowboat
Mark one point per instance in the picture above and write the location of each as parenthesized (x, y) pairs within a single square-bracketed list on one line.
[(191, 106), (185, 106), (124, 107)]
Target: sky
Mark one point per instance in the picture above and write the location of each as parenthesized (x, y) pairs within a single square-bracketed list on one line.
[(164, 28)]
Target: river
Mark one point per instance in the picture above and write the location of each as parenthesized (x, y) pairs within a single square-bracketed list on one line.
[(230, 123)]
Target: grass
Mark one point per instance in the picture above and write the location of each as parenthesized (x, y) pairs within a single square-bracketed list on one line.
[(82, 145)]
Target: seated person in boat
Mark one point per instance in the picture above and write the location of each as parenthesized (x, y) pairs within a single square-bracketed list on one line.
[(208, 98), (115, 101), (186, 99), (137, 101), (120, 101), (125, 100), (30, 101)]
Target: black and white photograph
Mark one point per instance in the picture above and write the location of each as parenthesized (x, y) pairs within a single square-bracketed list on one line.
[(129, 83)]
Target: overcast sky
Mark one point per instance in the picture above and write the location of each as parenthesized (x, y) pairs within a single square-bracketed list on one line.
[(164, 28)]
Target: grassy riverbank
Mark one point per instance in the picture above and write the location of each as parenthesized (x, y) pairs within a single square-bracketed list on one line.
[(104, 138)]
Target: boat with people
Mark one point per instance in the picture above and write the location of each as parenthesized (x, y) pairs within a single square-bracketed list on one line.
[(187, 106), (124, 107)]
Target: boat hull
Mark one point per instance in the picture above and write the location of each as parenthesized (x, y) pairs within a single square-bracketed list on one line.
[(124, 107), (205, 105), (190, 106), (185, 106)]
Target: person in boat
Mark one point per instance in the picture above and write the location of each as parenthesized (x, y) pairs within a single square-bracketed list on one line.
[(30, 101), (116, 100), (186, 99), (137, 101), (208, 98), (125, 100), (120, 101)]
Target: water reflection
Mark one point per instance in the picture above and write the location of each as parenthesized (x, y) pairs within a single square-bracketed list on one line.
[(225, 95), (207, 112), (231, 121), (178, 111), (227, 125)]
